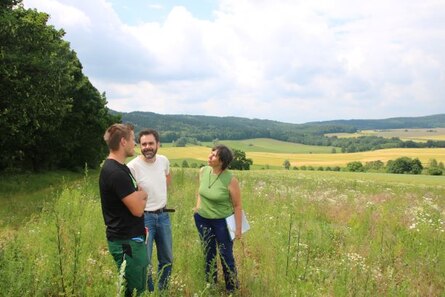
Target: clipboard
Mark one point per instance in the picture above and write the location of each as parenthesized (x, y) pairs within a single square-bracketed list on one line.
[(231, 224)]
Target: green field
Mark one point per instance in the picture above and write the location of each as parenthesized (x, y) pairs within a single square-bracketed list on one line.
[(273, 146), (420, 135), (312, 234), (22, 195)]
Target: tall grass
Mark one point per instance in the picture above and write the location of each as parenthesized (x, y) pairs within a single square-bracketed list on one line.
[(62, 251), (311, 235), (23, 194)]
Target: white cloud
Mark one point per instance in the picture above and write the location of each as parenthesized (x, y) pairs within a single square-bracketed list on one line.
[(284, 60), (156, 6), (64, 15)]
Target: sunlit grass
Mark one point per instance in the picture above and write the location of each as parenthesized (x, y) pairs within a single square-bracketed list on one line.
[(22, 194), (312, 234)]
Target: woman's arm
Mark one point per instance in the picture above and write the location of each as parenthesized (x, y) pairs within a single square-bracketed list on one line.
[(198, 198), (235, 195), (198, 203)]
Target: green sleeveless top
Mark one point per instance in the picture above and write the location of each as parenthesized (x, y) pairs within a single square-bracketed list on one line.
[(215, 196)]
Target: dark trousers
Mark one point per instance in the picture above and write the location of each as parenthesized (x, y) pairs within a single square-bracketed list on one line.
[(214, 234)]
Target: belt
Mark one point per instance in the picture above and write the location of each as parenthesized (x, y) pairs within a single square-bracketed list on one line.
[(161, 210)]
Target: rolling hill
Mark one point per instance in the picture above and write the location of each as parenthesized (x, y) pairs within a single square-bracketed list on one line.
[(209, 128), (432, 121)]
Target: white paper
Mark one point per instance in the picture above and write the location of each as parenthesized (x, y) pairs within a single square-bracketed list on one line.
[(231, 224)]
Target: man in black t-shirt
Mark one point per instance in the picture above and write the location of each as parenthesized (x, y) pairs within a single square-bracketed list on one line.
[(123, 208)]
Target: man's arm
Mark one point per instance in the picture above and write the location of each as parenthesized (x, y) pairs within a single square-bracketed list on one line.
[(135, 202), (168, 179)]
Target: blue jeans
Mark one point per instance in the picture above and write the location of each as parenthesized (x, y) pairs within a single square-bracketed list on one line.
[(159, 231), (213, 234)]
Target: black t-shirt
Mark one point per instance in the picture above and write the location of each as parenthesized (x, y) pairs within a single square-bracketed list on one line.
[(115, 183)]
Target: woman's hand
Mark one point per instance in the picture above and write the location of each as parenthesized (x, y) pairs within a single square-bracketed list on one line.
[(238, 235)]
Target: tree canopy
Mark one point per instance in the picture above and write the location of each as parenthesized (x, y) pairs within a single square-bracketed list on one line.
[(405, 165), (240, 162), (51, 116)]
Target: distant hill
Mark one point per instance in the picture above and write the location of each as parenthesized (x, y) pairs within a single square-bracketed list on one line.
[(432, 121), (209, 128)]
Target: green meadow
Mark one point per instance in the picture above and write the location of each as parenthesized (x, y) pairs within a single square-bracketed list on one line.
[(273, 146), (312, 234), (23, 195)]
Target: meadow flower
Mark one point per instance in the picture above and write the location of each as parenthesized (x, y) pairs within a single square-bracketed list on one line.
[(91, 261)]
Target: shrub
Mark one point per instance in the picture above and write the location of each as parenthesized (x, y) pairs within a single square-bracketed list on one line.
[(404, 165), (435, 171), (355, 166), (240, 162), (286, 164)]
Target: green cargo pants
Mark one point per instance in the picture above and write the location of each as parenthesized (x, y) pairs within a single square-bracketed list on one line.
[(135, 253)]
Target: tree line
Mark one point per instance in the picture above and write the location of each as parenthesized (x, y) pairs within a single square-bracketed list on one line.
[(402, 165), (51, 116), (182, 129)]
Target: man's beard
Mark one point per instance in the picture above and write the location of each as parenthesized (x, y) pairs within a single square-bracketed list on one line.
[(149, 154)]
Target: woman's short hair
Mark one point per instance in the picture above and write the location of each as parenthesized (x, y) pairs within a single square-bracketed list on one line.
[(225, 155)]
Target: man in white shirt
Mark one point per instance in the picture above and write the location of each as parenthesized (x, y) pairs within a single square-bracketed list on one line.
[(152, 173)]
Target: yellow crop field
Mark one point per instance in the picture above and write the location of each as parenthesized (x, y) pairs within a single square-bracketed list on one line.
[(339, 159), (424, 156), (420, 135), (189, 152)]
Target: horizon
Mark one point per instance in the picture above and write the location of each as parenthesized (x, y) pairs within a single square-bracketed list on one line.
[(264, 119)]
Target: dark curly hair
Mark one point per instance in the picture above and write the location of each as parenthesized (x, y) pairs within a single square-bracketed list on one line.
[(224, 154), (148, 132)]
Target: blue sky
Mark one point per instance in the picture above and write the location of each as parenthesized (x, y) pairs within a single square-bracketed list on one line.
[(136, 12), (286, 60)]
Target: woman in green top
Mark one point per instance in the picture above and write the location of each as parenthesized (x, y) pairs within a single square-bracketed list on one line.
[(219, 197)]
